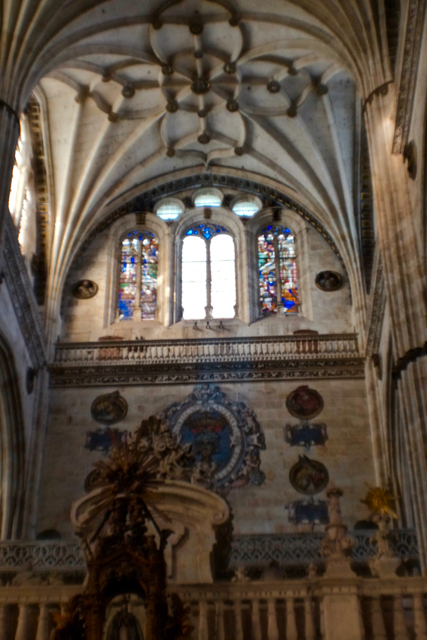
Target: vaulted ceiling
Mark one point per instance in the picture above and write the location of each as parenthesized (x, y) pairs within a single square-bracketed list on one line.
[(132, 91)]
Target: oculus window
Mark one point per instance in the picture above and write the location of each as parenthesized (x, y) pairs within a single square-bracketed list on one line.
[(208, 273), (138, 276), (278, 284)]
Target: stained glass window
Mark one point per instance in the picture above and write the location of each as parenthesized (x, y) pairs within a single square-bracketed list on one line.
[(278, 282), (208, 273), (138, 276)]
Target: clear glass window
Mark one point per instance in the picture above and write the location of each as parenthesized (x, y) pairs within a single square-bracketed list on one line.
[(207, 200), (246, 208), (278, 283), (138, 276), (169, 210), (208, 273)]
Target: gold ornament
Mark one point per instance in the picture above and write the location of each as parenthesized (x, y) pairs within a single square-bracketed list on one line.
[(380, 501)]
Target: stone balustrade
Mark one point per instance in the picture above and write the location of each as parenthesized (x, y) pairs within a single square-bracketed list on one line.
[(198, 360), (247, 551), (287, 610), (215, 349)]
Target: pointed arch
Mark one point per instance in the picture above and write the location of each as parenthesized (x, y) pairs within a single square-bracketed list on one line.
[(12, 446)]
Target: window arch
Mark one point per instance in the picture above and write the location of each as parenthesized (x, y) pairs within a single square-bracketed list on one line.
[(278, 282), (208, 273), (138, 276)]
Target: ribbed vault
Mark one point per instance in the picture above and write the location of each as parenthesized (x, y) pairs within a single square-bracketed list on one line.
[(133, 91)]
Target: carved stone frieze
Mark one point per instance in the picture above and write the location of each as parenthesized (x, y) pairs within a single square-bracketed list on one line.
[(187, 373), (411, 56), (22, 296), (377, 311)]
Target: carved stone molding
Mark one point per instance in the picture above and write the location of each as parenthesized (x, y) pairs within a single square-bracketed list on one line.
[(146, 200), (189, 373), (411, 57), (22, 297), (376, 312)]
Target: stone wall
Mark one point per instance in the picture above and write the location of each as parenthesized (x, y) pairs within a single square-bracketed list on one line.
[(347, 453), (88, 320)]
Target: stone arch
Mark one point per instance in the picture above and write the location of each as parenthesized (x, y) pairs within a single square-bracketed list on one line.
[(12, 447)]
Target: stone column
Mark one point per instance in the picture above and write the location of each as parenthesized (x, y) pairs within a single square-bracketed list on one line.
[(400, 630), (404, 273), (43, 623), (238, 620), (4, 622), (9, 134), (310, 632), (219, 621), (256, 621), (378, 627), (291, 625), (203, 620), (419, 617), (22, 627), (273, 630)]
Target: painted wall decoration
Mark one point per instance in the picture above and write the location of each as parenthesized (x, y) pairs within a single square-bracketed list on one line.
[(109, 408), (308, 512), (85, 289), (328, 281), (103, 439), (306, 435), (304, 403), (309, 476), (226, 438)]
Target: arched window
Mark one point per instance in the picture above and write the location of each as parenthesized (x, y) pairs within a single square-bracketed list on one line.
[(138, 276), (22, 202), (208, 273), (278, 283)]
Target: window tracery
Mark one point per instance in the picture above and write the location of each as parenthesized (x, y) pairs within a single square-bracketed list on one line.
[(138, 276), (278, 285)]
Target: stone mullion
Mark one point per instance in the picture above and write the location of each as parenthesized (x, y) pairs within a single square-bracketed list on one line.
[(9, 134), (397, 235), (208, 308)]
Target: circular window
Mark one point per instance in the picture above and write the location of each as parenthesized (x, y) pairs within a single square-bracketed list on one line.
[(169, 209), (246, 207), (208, 198)]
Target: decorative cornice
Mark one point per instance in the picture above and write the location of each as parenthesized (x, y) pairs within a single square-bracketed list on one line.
[(39, 265), (190, 373), (22, 297), (411, 56), (377, 312), (146, 200)]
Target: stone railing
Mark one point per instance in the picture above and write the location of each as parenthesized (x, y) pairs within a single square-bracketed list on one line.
[(307, 609), (55, 556), (208, 350), (290, 550), (247, 551), (200, 360)]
